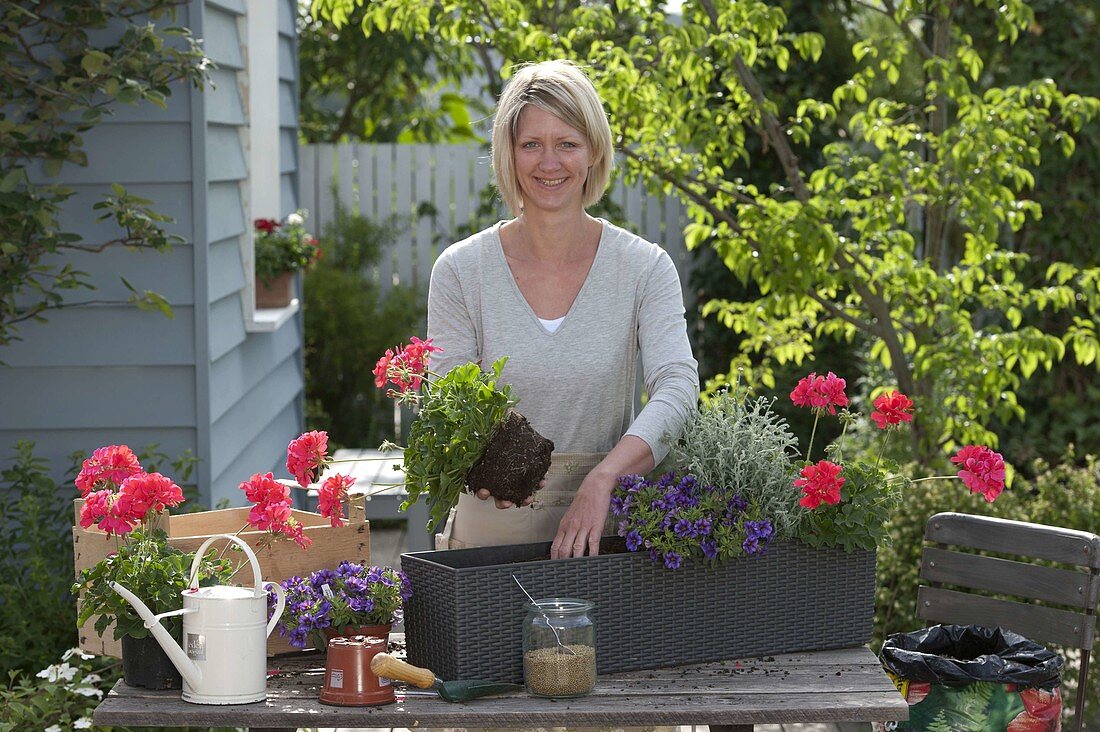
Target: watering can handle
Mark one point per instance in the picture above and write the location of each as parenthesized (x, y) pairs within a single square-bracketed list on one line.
[(258, 584), (280, 603)]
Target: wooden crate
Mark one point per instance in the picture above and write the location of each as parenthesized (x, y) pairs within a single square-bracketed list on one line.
[(279, 560)]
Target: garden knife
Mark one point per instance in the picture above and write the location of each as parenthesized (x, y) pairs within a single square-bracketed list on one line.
[(383, 664)]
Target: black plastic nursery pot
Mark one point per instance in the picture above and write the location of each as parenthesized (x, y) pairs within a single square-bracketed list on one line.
[(145, 664), (466, 613)]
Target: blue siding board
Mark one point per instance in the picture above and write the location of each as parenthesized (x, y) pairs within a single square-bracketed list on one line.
[(233, 6), (224, 154), (287, 18), (168, 273), (226, 268), (99, 336), (78, 216), (288, 189), (176, 109), (98, 398), (224, 210), (226, 327), (59, 444), (223, 98), (288, 60), (288, 104), (223, 44), (250, 414), (129, 153), (288, 150), (240, 369), (265, 453)]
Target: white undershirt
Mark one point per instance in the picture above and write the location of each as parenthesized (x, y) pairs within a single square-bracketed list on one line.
[(551, 325)]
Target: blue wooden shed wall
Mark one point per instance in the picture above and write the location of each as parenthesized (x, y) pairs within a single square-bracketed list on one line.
[(202, 381)]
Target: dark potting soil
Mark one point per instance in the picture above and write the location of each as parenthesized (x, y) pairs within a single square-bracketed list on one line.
[(516, 459)]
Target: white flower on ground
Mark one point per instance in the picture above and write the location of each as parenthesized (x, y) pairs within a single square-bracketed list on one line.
[(57, 672), (76, 652), (87, 691), (53, 728), (82, 723)]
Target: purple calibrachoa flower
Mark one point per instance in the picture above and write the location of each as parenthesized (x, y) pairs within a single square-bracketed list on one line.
[(679, 519), (351, 595)]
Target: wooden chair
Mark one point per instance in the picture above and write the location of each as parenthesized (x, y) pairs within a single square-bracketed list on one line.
[(1059, 604)]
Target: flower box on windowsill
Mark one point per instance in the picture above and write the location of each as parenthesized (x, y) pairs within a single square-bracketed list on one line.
[(465, 616), (278, 560)]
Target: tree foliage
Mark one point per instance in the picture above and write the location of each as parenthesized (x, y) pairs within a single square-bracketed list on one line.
[(895, 235), (63, 67)]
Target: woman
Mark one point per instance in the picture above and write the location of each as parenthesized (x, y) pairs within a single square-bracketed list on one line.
[(573, 301)]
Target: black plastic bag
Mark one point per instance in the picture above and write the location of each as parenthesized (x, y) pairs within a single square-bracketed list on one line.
[(955, 655)]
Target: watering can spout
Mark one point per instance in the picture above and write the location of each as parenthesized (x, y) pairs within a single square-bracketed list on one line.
[(187, 668)]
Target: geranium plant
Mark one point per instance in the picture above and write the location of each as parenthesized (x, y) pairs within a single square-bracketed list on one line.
[(127, 504), (849, 502), (283, 246), (341, 599), (466, 436), (678, 519)]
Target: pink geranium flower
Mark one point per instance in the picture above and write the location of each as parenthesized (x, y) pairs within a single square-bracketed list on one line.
[(294, 530), (820, 393), (263, 488), (114, 522), (145, 492), (892, 408), (107, 468), (407, 367), (97, 504), (332, 497), (306, 456), (982, 470), (821, 483)]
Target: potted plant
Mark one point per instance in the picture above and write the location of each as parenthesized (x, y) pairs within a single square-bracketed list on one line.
[(127, 503), (466, 435), (353, 599), (280, 250)]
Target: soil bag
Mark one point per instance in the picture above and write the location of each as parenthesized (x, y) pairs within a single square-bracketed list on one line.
[(966, 677)]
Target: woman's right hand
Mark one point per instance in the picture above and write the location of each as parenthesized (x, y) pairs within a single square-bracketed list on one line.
[(483, 494)]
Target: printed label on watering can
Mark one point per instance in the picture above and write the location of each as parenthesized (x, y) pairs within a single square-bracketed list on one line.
[(196, 646)]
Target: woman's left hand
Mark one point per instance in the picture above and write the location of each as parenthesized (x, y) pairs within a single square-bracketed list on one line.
[(582, 525)]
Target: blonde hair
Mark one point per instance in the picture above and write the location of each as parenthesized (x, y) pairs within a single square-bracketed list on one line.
[(563, 90)]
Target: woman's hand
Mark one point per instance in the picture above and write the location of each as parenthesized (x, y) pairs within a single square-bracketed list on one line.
[(582, 525), (483, 494)]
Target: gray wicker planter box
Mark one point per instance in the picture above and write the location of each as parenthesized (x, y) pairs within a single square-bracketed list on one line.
[(466, 613)]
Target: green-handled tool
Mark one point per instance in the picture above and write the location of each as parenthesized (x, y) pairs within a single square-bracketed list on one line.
[(385, 665)]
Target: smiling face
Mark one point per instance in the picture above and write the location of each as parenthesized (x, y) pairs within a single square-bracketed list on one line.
[(551, 161)]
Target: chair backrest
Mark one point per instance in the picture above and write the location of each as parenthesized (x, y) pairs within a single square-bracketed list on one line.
[(1047, 604)]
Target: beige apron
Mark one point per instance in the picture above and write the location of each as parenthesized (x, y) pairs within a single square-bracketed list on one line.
[(474, 522)]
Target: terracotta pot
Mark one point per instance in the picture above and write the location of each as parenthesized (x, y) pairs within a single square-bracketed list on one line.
[(276, 292), (145, 664), (350, 631)]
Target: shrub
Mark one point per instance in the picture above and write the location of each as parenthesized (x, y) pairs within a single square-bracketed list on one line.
[(347, 324), (743, 446)]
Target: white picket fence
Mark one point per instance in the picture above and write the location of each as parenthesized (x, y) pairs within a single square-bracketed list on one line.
[(380, 180)]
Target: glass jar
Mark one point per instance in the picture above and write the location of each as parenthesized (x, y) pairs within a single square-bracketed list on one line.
[(559, 648)]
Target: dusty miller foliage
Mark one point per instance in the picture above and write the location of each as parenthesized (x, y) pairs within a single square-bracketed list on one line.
[(740, 444)]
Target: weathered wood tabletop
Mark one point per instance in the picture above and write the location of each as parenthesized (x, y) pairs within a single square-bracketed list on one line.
[(845, 685)]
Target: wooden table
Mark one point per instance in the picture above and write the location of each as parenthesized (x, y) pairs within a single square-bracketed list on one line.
[(846, 685)]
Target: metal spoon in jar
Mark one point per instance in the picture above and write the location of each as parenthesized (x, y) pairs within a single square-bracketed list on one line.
[(562, 648)]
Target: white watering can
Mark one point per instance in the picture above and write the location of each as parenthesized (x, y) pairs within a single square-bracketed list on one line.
[(225, 630)]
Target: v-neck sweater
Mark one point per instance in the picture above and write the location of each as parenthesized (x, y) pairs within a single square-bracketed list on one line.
[(576, 385)]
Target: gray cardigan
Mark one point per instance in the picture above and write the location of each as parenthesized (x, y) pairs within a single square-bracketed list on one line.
[(575, 385)]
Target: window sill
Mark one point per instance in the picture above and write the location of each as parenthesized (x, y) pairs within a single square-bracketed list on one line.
[(267, 320)]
